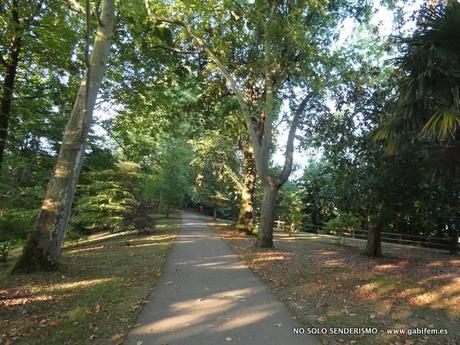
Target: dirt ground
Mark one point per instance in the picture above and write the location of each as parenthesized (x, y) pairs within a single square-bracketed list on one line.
[(331, 285)]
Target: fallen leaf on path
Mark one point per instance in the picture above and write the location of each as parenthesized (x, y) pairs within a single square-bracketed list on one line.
[(278, 324), (228, 339), (169, 283)]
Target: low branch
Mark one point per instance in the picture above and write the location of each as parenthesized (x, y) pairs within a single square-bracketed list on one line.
[(289, 153)]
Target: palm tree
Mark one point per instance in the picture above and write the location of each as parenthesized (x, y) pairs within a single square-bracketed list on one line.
[(427, 101)]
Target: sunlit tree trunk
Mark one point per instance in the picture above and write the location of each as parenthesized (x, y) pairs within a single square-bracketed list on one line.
[(246, 214), (43, 246)]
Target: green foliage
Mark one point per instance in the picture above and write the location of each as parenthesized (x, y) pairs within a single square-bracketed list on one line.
[(342, 226), (215, 162), (428, 101), (17, 215), (107, 199), (170, 182), (290, 208), (15, 224), (173, 128), (354, 176)]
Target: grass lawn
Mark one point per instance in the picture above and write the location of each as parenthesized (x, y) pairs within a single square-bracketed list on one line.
[(330, 285), (94, 298)]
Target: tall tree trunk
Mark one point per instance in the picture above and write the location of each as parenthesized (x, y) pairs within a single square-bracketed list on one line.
[(167, 211), (267, 216), (260, 130), (44, 244), (214, 214), (453, 249), (246, 214), (374, 243), (11, 67)]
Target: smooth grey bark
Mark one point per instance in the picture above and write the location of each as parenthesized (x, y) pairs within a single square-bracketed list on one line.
[(44, 244), (267, 216)]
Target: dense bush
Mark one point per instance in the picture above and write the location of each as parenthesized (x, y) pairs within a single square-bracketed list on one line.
[(342, 224), (107, 199), (17, 217), (14, 226)]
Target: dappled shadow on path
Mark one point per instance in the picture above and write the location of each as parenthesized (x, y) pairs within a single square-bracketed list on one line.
[(207, 296)]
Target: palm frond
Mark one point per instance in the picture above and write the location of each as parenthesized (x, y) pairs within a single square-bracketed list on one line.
[(443, 125)]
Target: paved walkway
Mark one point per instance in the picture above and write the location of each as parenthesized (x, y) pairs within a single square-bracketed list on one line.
[(207, 296)]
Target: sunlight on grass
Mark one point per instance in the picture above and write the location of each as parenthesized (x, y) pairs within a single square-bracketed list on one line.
[(97, 294), (84, 250), (23, 300), (98, 237), (83, 284)]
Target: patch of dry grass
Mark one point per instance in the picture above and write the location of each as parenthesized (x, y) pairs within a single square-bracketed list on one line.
[(329, 285), (94, 298)]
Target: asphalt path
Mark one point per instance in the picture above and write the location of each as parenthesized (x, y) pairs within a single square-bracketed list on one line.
[(207, 296)]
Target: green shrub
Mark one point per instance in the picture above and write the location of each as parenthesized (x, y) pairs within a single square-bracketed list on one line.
[(14, 227), (342, 226), (107, 200)]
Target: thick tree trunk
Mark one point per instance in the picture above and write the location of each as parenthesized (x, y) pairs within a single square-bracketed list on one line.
[(374, 246), (267, 216), (11, 67), (43, 247), (246, 214), (245, 217), (453, 250), (167, 211), (214, 215)]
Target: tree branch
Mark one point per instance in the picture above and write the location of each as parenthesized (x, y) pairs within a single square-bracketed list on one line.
[(230, 79), (75, 6), (35, 96), (289, 153), (175, 49)]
